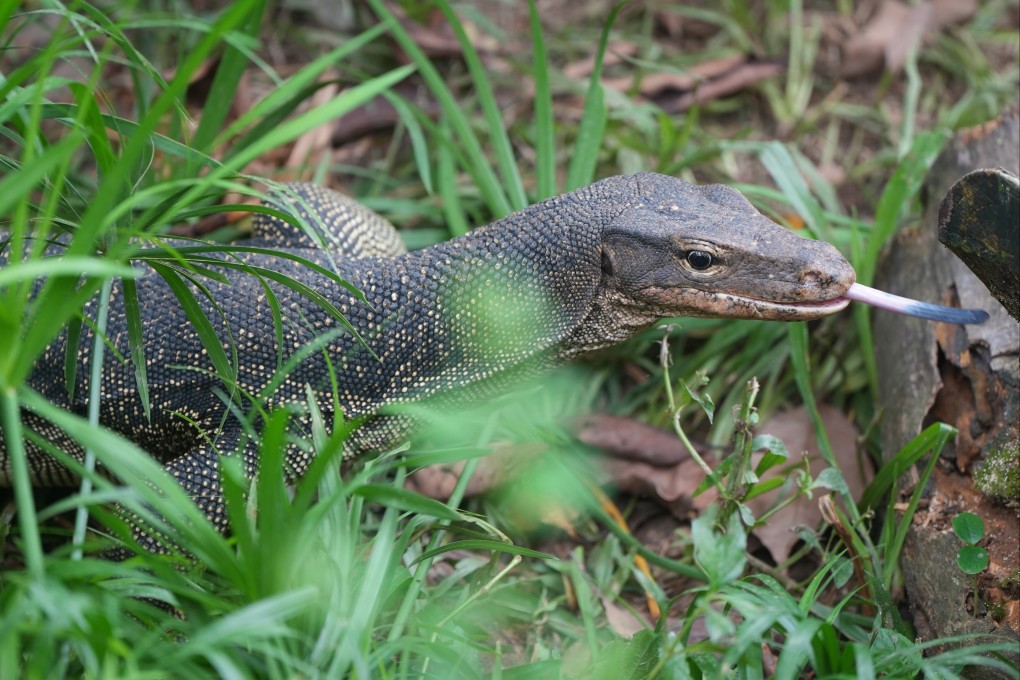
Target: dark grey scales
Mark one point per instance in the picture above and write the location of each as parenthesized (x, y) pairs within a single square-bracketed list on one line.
[(456, 321)]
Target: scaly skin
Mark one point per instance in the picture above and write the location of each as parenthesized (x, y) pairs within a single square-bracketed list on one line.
[(450, 323)]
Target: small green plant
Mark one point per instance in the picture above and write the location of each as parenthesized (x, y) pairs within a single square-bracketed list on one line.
[(972, 558)]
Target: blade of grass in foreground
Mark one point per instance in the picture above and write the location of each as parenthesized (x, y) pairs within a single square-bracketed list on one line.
[(483, 175), (593, 120), (545, 139), (446, 180), (270, 111), (490, 110), (232, 64), (153, 494), (61, 298), (10, 417)]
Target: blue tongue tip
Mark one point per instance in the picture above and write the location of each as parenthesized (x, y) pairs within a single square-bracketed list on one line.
[(922, 310)]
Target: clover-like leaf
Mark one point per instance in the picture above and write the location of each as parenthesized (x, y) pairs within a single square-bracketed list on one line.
[(969, 527)]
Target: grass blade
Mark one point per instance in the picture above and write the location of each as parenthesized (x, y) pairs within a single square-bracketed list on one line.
[(133, 316), (231, 68), (407, 500), (780, 164), (446, 177), (593, 121), (488, 184), (545, 140), (10, 417), (289, 94), (200, 322), (490, 109)]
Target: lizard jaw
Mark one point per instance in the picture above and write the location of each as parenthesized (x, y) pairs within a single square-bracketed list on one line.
[(688, 302)]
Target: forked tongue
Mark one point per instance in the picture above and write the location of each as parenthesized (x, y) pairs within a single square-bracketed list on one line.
[(922, 310)]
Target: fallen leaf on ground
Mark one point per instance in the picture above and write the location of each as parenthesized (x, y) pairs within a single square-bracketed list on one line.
[(615, 53), (631, 439), (896, 29), (498, 467), (749, 73), (675, 92), (653, 84), (621, 619), (794, 428), (644, 460), (648, 461), (437, 39)]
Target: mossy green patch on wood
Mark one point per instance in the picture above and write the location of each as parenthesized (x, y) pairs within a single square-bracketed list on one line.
[(998, 476)]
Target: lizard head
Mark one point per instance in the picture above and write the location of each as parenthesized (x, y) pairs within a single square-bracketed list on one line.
[(686, 250)]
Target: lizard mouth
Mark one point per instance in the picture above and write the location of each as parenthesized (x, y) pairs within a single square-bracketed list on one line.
[(688, 302), (792, 311)]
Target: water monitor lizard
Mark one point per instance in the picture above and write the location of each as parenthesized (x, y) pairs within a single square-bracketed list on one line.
[(452, 322)]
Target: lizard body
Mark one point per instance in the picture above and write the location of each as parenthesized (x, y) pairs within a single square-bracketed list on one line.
[(455, 321)]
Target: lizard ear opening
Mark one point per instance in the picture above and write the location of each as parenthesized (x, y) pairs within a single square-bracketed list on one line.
[(607, 262)]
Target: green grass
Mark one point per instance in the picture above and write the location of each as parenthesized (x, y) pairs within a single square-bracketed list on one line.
[(349, 574)]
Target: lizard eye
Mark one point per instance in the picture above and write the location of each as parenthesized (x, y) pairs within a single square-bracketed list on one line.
[(699, 259)]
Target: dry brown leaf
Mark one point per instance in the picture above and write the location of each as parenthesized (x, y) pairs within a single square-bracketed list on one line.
[(621, 619), (896, 29), (615, 53), (704, 82), (653, 84), (731, 82), (643, 460), (631, 439), (769, 661), (953, 12), (794, 428), (649, 461), (502, 465), (673, 484)]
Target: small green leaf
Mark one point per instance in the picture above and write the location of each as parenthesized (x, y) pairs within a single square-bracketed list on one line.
[(842, 572), (481, 544), (702, 399), (831, 478), (900, 656), (407, 500), (969, 527), (775, 452), (720, 555), (719, 626), (760, 488), (972, 559)]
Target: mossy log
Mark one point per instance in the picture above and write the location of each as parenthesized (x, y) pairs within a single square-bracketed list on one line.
[(968, 377)]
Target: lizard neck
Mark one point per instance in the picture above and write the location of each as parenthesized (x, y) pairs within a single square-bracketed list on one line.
[(497, 302)]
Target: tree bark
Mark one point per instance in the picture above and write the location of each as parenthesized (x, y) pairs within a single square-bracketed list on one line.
[(968, 377)]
